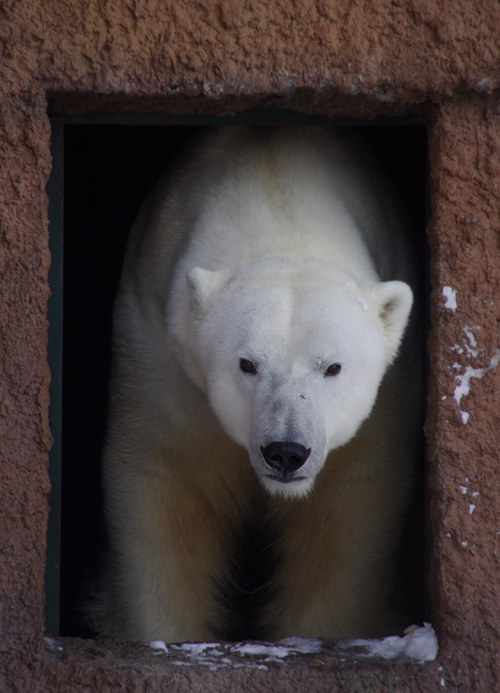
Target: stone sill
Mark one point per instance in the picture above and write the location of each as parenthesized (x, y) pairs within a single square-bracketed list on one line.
[(111, 665)]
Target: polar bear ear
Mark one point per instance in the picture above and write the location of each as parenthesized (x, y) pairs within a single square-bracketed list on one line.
[(203, 284), (394, 301)]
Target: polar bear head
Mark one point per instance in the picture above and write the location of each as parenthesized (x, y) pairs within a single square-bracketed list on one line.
[(290, 354)]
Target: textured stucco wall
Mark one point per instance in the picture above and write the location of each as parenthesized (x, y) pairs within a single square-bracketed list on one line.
[(439, 59), (464, 458)]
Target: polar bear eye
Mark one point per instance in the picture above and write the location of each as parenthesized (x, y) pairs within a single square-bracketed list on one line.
[(247, 366), (333, 369)]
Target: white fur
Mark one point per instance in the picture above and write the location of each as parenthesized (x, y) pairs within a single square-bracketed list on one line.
[(273, 246)]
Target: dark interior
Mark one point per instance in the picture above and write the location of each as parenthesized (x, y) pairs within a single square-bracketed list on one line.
[(108, 170)]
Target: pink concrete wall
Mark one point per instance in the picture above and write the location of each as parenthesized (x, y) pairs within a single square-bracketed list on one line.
[(438, 59)]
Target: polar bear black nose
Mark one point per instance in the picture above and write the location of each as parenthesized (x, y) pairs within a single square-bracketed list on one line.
[(285, 457)]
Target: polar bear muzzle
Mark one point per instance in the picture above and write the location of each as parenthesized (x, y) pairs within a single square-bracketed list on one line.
[(285, 458)]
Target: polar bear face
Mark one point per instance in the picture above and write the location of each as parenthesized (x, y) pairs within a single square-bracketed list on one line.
[(291, 355)]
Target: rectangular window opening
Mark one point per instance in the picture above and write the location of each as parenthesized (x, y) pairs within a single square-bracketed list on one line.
[(104, 166)]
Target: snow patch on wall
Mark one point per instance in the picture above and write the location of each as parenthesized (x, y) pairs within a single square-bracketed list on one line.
[(463, 387), (472, 348), (451, 298)]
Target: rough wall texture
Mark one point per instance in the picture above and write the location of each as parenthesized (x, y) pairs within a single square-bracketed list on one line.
[(465, 511), (439, 59)]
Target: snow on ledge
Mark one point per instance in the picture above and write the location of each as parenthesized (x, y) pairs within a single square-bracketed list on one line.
[(215, 654), (420, 644), (53, 645)]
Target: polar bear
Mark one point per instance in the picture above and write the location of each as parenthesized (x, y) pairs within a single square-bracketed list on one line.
[(265, 400)]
